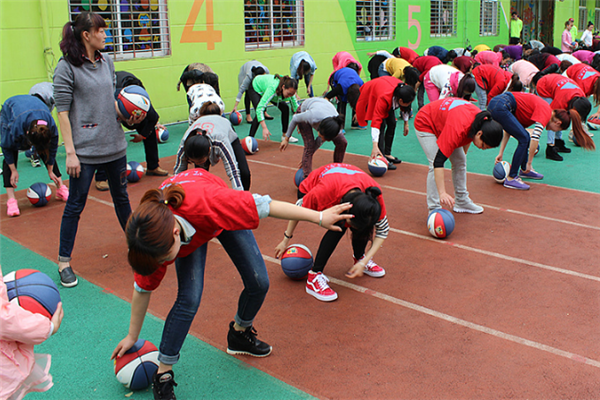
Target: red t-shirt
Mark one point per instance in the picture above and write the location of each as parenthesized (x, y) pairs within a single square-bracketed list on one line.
[(376, 100), (585, 76), (531, 109), (560, 89), (449, 120), (326, 186), (210, 207), (493, 79), (424, 64), (408, 54)]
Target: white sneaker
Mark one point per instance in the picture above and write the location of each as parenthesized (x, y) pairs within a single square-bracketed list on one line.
[(317, 285), (470, 208), (293, 139)]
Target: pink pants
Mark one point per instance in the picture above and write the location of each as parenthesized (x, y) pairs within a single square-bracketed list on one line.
[(433, 93)]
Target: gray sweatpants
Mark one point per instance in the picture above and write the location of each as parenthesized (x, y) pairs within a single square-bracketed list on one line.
[(458, 159)]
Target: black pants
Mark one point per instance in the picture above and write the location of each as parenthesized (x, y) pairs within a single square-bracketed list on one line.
[(247, 103), (341, 109), (330, 241), (7, 173), (282, 105), (386, 140), (240, 156), (421, 95)]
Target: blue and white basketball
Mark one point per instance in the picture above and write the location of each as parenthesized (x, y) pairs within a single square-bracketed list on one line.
[(39, 194), (135, 171), (296, 261), (133, 100), (250, 145), (162, 134), (137, 366), (377, 167), (501, 171), (440, 223)]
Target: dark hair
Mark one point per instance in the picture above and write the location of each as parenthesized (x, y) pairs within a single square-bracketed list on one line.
[(474, 53), (285, 82), (579, 108), (450, 56), (257, 71), (466, 87), (568, 22), (353, 95), (513, 13), (330, 127), (564, 117), (149, 229), (39, 136), (411, 76), (209, 108), (590, 23), (71, 44), (353, 66), (596, 62), (131, 80), (596, 92), (194, 75), (405, 93), (366, 210), (505, 55), (515, 84), (303, 68), (492, 131), (564, 64), (197, 145), (527, 46), (396, 52)]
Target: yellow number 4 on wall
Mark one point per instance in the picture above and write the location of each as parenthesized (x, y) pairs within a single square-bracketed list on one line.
[(210, 36)]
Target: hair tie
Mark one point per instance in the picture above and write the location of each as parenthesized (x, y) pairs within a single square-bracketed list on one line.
[(167, 202), (41, 122)]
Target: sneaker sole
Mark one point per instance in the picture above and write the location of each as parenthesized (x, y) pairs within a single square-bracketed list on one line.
[(374, 274), (320, 296), (515, 188), (69, 284), (465, 211), (531, 177), (247, 353)]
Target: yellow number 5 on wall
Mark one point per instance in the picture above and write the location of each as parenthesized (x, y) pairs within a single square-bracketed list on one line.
[(209, 36)]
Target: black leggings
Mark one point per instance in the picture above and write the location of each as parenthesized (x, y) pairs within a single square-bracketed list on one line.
[(386, 140), (282, 105), (7, 173), (329, 243), (240, 156)]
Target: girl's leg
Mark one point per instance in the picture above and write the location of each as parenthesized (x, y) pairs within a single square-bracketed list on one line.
[(390, 133), (247, 105), (428, 142), (340, 143), (242, 162), (116, 172), (285, 115), (6, 175), (481, 97), (358, 246), (433, 93), (244, 252), (310, 146), (459, 177), (328, 244), (255, 99), (190, 284), (421, 95)]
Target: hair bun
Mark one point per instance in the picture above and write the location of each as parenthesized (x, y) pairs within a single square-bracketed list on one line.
[(373, 191)]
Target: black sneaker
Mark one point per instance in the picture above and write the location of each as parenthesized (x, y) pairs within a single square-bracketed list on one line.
[(560, 146), (162, 386), (245, 342), (392, 167), (552, 153), (67, 277)]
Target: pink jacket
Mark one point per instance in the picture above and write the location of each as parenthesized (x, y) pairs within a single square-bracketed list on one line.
[(20, 331), (566, 40), (489, 57), (341, 60)]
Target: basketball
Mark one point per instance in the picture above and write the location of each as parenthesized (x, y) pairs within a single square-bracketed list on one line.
[(296, 261), (235, 118), (137, 366), (440, 223), (299, 177), (593, 124), (39, 194), (377, 167), (501, 171), (135, 171), (162, 134), (250, 145), (133, 100), (32, 290)]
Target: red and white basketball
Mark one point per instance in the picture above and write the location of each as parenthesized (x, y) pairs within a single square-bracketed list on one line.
[(137, 366), (593, 123), (39, 194), (133, 100), (250, 145)]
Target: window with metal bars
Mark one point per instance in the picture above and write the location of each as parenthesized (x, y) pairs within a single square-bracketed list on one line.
[(273, 23), (443, 18), (597, 16), (375, 20), (489, 18), (582, 23), (135, 28)]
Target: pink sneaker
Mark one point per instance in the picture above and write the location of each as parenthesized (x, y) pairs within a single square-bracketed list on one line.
[(62, 193), (371, 268), (317, 286), (12, 208)]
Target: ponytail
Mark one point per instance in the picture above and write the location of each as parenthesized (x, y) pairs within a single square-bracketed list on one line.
[(39, 136), (515, 84), (581, 136), (366, 210), (596, 92), (564, 118), (71, 44), (330, 127), (149, 230), (466, 87), (491, 130)]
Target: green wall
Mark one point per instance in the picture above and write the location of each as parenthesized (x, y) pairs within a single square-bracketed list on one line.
[(27, 27)]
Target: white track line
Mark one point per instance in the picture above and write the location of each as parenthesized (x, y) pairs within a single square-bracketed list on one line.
[(458, 321)]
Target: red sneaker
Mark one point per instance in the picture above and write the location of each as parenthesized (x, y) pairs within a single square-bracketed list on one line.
[(371, 268), (317, 286)]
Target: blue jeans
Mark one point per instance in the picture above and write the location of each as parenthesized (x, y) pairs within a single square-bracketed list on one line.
[(502, 108), (116, 172), (245, 254), (382, 71), (552, 135)]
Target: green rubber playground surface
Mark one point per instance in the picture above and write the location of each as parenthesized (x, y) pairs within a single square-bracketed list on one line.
[(95, 320)]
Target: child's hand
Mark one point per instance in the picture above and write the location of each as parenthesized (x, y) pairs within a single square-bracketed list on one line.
[(123, 346), (57, 317)]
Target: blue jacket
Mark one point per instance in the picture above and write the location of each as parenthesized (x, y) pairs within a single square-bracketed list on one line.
[(345, 77), (15, 118), (295, 62), (438, 51)]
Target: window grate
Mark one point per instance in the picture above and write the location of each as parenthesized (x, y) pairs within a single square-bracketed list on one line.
[(135, 28), (597, 16), (273, 24), (489, 18), (443, 18), (375, 20), (582, 24)]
